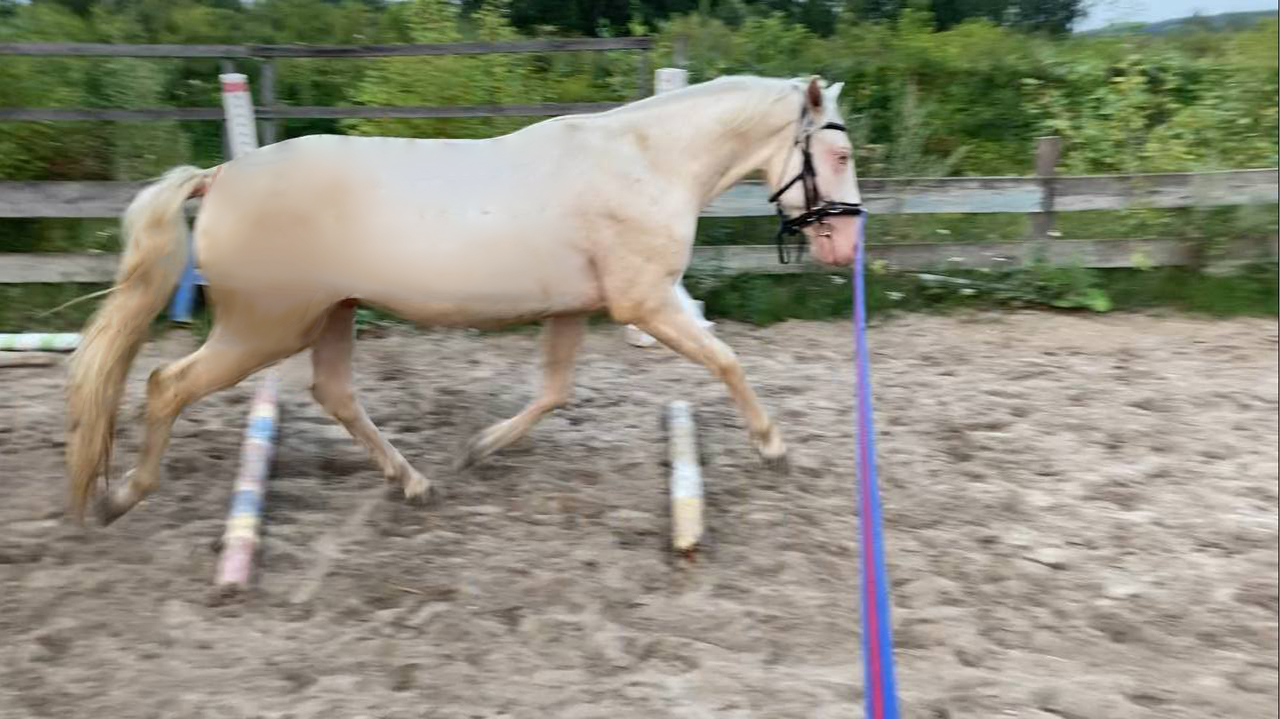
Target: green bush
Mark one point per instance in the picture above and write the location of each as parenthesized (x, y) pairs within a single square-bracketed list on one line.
[(967, 100)]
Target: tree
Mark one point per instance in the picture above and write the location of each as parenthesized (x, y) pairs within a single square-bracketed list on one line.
[(1053, 16), (448, 80), (875, 10)]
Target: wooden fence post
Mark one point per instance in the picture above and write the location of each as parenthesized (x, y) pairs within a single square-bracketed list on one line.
[(268, 129), (226, 67), (1048, 150), (680, 52)]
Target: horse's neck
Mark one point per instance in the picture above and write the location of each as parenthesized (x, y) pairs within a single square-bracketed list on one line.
[(713, 146)]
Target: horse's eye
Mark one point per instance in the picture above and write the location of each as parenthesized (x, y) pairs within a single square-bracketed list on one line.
[(842, 159)]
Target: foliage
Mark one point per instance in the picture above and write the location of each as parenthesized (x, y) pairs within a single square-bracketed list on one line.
[(765, 299), (933, 87), (448, 80), (968, 100), (1129, 109)]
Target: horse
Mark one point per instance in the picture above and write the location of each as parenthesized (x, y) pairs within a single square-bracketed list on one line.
[(564, 218)]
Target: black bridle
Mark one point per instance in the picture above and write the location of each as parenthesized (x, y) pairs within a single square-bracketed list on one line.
[(816, 209)]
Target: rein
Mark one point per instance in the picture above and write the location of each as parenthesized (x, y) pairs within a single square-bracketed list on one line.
[(816, 210), (881, 692)]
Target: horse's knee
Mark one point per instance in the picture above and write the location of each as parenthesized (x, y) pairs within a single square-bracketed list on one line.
[(724, 363), (636, 310)]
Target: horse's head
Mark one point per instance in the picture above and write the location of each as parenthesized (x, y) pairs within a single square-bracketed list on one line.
[(813, 181)]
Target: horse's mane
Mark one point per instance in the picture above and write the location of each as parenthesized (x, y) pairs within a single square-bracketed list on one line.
[(757, 93)]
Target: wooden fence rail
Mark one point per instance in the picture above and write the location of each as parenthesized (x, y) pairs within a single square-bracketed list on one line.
[(882, 196), (762, 259), (965, 195)]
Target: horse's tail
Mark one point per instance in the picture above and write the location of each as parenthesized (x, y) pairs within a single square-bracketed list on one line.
[(154, 257)]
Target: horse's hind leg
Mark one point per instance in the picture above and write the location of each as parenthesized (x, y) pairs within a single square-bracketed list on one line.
[(333, 389), (678, 329), (561, 336), (236, 348)]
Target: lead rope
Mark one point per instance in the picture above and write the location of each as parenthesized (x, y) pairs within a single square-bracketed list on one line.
[(877, 637)]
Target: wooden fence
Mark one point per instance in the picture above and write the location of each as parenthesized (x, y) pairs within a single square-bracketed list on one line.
[(271, 111), (1040, 195)]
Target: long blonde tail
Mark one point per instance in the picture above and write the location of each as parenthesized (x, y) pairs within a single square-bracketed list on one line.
[(154, 257)]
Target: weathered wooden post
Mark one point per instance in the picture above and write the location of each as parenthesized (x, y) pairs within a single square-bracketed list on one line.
[(1048, 151), (269, 129)]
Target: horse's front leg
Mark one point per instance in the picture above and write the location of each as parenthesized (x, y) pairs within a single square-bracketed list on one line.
[(671, 324), (561, 338)]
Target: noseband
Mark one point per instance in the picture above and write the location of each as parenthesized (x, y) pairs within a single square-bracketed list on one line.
[(817, 210)]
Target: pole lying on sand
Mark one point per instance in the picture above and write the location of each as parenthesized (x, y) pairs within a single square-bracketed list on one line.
[(244, 519), (686, 478), (39, 342)]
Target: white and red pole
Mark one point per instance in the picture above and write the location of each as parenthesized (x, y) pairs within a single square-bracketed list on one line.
[(244, 519)]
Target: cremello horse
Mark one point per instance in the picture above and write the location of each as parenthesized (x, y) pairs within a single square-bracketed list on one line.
[(563, 218)]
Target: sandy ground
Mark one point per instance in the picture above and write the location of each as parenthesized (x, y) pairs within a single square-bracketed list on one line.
[(1081, 517)]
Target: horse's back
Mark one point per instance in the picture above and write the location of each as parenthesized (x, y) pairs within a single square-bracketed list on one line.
[(441, 230)]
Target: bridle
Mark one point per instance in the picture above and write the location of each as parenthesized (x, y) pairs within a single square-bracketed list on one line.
[(816, 209)]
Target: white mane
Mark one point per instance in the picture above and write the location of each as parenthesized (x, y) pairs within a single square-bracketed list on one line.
[(754, 97)]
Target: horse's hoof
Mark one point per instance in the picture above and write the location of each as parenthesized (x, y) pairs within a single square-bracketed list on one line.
[(418, 491), (780, 464), (108, 511), (476, 450), (773, 450), (429, 498)]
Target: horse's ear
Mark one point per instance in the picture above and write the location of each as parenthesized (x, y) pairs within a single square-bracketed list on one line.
[(813, 93), (833, 92)]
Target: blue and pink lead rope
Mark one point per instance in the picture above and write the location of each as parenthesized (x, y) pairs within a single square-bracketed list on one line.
[(877, 636)]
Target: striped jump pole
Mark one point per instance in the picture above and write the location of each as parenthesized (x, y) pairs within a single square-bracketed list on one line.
[(877, 636), (686, 478), (39, 342), (244, 519)]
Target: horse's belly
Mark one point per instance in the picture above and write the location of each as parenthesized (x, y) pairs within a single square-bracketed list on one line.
[(445, 281)]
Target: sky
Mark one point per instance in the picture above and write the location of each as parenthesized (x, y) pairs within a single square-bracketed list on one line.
[(1105, 12)]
